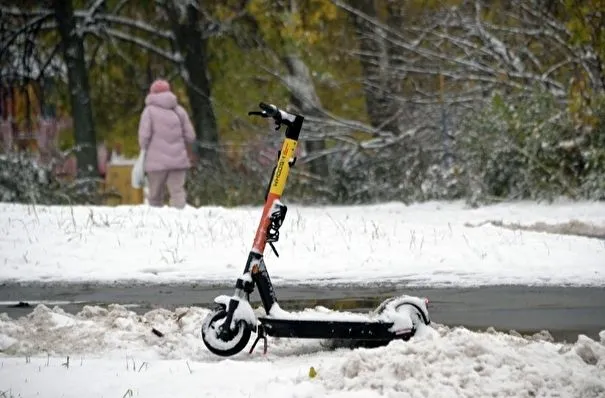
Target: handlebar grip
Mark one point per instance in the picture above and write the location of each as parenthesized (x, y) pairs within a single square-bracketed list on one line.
[(270, 109)]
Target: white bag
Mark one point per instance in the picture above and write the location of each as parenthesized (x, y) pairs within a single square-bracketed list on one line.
[(138, 171)]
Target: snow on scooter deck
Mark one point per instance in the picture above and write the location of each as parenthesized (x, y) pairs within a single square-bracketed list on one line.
[(396, 318)]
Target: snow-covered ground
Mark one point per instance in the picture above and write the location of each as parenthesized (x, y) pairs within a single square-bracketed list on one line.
[(111, 352), (427, 244)]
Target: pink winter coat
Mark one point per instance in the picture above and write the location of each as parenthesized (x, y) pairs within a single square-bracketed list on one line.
[(165, 130)]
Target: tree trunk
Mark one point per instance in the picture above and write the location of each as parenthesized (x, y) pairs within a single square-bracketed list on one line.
[(375, 68), (193, 46), (305, 98), (79, 91)]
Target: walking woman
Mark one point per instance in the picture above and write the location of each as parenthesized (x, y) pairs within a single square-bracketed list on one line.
[(165, 132)]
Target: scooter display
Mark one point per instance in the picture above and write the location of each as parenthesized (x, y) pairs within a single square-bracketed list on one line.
[(227, 329)]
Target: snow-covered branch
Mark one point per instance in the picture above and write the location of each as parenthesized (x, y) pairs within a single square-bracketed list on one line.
[(24, 13), (137, 24), (461, 45), (35, 23), (144, 44)]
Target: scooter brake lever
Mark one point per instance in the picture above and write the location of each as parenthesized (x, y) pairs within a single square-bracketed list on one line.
[(266, 115)]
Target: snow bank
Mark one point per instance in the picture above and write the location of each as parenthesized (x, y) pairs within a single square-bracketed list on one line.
[(112, 352)]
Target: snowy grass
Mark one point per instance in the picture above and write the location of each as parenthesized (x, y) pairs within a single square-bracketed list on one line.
[(112, 353), (432, 244)]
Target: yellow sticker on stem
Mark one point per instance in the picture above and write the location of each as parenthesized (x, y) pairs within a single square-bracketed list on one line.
[(288, 150)]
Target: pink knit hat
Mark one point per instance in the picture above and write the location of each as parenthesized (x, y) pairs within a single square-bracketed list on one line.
[(159, 86)]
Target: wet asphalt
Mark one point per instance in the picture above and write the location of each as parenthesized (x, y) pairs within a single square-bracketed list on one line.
[(564, 311)]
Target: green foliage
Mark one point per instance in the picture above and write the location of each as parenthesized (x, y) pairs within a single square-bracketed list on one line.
[(585, 21), (400, 172), (317, 31), (23, 180), (530, 148), (224, 183), (593, 181), (286, 23), (238, 85)]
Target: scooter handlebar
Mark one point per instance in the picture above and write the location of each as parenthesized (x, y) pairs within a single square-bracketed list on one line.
[(270, 110)]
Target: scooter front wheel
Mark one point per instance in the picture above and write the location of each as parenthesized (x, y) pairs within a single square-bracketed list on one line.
[(220, 339)]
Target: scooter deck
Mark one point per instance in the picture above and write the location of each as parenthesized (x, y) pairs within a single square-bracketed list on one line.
[(324, 329)]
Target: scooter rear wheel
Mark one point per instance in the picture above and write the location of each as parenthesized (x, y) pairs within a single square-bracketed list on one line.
[(221, 340)]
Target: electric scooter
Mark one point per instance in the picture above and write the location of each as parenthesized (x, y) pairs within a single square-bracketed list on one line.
[(227, 329)]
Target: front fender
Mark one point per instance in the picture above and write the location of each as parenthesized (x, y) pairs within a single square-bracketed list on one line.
[(243, 312)]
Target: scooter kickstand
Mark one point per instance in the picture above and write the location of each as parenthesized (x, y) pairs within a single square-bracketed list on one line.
[(260, 335)]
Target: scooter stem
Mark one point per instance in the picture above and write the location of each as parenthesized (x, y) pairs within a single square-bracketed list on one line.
[(255, 272)]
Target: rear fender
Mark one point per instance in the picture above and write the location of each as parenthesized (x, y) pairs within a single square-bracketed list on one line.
[(394, 303)]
